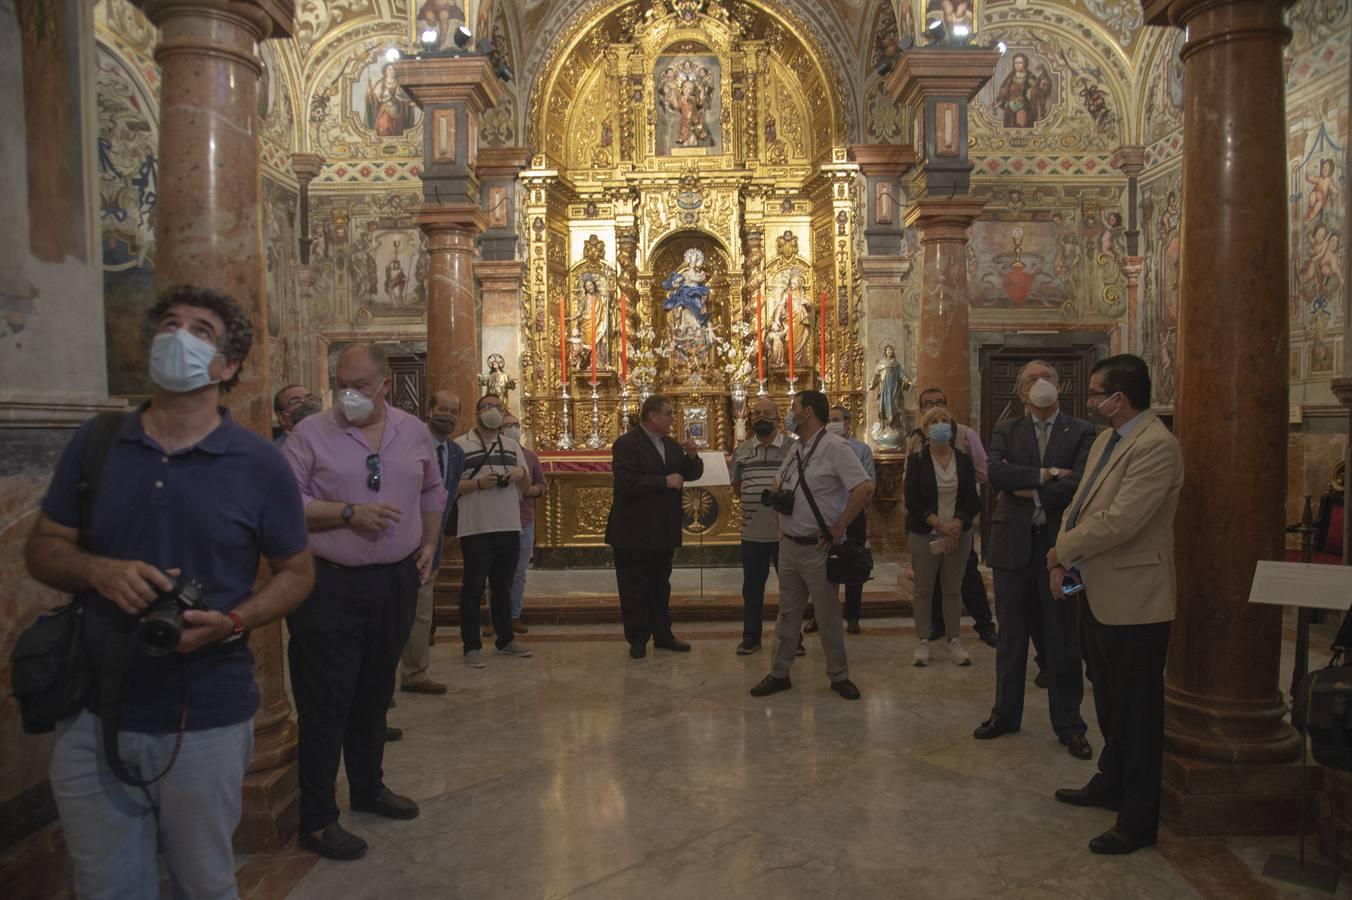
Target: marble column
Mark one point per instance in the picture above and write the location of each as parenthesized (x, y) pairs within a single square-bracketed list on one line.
[(943, 357), (1130, 161), (1225, 732), (453, 361), (307, 167), (208, 233)]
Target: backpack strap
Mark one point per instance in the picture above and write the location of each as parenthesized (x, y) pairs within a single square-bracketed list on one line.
[(98, 445)]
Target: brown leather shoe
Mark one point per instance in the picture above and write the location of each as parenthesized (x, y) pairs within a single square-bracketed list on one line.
[(519, 627), (426, 686)]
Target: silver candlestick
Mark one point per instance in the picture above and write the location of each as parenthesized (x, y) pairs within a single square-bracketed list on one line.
[(761, 391), (595, 441), (793, 387), (623, 408), (566, 438)]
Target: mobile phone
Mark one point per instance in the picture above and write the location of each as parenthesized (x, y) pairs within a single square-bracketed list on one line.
[(1071, 585)]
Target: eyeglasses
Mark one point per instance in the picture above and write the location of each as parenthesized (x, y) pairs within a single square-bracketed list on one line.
[(1098, 393), (931, 404), (373, 466)]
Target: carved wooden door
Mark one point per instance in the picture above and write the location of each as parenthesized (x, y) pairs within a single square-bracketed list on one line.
[(408, 390)]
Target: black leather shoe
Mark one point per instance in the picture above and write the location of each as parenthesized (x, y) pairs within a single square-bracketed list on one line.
[(388, 804), (852, 626), (1114, 843), (987, 635), (1078, 747), (810, 626), (992, 728), (801, 651), (846, 688), (393, 734), (334, 842), (638, 651), (770, 685), (1041, 680), (676, 645), (1082, 797)]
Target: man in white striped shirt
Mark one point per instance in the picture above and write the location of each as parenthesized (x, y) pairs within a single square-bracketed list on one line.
[(754, 466)]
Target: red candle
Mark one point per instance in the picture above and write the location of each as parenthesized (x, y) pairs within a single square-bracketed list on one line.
[(790, 302), (822, 325), (563, 342), (760, 336), (593, 338), (624, 336)]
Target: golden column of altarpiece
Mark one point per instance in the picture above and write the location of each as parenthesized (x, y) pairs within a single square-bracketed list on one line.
[(691, 224)]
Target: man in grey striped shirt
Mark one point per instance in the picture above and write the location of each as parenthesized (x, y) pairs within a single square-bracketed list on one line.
[(754, 465)]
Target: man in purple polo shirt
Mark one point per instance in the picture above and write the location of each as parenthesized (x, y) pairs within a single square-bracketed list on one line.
[(373, 499), (184, 489)]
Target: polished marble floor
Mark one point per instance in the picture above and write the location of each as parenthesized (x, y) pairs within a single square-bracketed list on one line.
[(581, 773)]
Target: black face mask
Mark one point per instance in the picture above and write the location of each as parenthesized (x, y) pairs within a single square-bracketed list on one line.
[(301, 412), (442, 424), (763, 427)]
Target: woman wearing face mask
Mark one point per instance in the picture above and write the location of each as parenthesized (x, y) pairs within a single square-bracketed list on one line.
[(941, 501)]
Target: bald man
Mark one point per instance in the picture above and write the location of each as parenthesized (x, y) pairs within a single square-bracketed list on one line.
[(754, 464), (441, 421)]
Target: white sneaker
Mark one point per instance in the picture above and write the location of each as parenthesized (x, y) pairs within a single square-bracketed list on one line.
[(475, 660), (957, 653), (516, 648), (922, 654)]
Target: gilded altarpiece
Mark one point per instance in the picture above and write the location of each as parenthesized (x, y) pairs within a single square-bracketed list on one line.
[(693, 178)]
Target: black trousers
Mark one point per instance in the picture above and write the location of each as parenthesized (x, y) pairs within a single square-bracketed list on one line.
[(757, 558), (489, 558), (974, 598), (857, 530), (346, 640), (644, 580), (1023, 598), (1126, 664)]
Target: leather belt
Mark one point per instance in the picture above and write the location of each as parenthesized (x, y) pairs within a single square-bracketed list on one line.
[(812, 539)]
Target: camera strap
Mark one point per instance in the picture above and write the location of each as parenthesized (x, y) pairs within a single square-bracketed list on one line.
[(807, 493), (118, 645)]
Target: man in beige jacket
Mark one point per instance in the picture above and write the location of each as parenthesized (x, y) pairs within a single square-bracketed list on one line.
[(1117, 540)]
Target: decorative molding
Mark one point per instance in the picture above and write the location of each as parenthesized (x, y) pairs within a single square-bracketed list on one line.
[(54, 413)]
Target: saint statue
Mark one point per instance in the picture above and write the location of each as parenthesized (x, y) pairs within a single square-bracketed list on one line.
[(596, 302), (890, 382), (497, 380), (687, 310), (777, 333)]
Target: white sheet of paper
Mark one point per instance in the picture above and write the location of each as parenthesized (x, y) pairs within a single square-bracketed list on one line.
[(715, 471), (1302, 584)]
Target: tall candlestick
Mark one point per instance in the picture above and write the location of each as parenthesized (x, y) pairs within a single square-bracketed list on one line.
[(760, 336), (563, 340), (624, 337), (593, 339), (790, 302), (821, 324)]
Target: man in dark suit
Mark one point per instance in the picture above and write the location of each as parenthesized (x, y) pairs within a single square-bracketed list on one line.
[(1036, 461), (644, 527)]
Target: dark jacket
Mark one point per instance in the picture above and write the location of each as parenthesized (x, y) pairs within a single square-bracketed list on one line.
[(1014, 466), (645, 514), (922, 491)]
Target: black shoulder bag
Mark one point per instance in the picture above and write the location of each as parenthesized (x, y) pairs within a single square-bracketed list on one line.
[(848, 562), (53, 675), (1323, 706)]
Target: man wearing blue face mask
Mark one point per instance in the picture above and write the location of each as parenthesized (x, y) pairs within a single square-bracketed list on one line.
[(183, 490)]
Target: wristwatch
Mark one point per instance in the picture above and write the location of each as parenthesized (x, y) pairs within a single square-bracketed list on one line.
[(348, 512), (1054, 473)]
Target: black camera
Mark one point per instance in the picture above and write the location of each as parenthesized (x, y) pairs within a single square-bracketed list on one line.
[(504, 479), (162, 626), (780, 501)]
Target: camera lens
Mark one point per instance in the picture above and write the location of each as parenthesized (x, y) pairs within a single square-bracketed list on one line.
[(161, 631)]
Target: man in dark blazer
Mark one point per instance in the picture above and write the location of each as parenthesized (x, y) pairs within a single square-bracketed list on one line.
[(1036, 461), (644, 527)]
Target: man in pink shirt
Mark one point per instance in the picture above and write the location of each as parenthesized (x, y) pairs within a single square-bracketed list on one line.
[(373, 500)]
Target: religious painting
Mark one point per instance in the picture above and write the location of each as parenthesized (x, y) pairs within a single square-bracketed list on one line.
[(886, 41), (388, 269), (593, 320), (1317, 199), (689, 102), (1162, 231), (951, 13), (381, 103), (788, 307), (1023, 263), (1025, 89), (443, 17), (128, 180)]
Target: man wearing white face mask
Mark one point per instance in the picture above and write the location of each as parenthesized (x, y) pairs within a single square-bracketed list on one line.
[(183, 489), (1036, 461), (375, 502)]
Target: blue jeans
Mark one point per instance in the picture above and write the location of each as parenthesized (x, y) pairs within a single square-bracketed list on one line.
[(111, 828), (757, 557), (522, 564)]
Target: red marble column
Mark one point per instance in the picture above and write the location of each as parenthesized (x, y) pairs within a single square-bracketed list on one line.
[(944, 354), (208, 232), (1224, 730), (452, 307)]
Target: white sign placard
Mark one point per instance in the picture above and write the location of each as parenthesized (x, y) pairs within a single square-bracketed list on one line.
[(1302, 584), (715, 471)]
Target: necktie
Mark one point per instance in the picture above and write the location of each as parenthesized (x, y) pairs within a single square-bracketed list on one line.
[(1041, 427), (1107, 452), (441, 461)]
